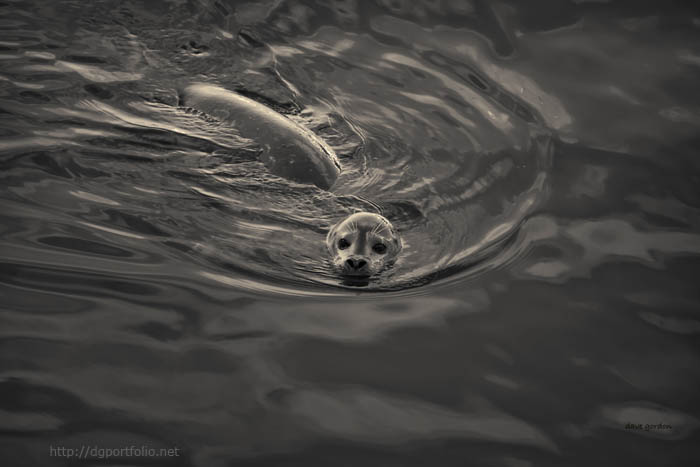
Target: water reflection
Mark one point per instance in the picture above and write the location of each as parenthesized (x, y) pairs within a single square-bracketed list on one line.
[(160, 287)]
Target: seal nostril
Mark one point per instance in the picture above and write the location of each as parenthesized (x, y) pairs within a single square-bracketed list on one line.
[(356, 264)]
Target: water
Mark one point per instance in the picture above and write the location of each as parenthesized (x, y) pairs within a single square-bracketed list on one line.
[(161, 288)]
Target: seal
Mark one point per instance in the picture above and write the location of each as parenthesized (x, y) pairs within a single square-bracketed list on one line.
[(288, 150), (363, 244)]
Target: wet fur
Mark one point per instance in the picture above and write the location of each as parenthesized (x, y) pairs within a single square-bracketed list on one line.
[(364, 230)]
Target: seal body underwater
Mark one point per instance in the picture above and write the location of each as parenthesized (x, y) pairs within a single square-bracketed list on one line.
[(362, 244), (287, 149)]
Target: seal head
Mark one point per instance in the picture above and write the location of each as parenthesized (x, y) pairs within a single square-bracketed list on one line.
[(363, 244)]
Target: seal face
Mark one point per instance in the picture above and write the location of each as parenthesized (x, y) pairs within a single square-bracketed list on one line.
[(363, 244)]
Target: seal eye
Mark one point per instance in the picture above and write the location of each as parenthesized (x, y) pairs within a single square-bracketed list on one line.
[(343, 244), (379, 248)]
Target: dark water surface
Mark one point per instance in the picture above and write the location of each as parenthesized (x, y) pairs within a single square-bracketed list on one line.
[(160, 288)]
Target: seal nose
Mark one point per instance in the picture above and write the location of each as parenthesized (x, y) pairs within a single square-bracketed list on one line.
[(356, 264)]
